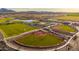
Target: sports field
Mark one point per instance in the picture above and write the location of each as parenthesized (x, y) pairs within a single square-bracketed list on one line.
[(15, 29), (5, 20), (68, 18), (39, 39), (65, 28)]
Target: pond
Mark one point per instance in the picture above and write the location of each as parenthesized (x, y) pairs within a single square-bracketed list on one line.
[(29, 21)]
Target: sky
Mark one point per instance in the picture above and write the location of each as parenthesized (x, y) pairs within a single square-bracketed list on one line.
[(47, 9)]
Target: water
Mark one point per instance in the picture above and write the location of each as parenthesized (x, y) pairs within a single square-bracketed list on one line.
[(29, 21)]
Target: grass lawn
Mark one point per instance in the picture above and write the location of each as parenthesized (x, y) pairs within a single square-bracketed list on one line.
[(15, 29), (68, 18), (39, 39), (65, 28), (4, 20)]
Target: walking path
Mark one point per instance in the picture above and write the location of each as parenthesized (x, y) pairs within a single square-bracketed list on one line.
[(10, 42), (1, 37), (18, 47), (73, 44)]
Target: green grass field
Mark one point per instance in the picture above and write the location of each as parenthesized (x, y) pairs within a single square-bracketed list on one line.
[(5, 19), (65, 28), (37, 39), (68, 18), (15, 29)]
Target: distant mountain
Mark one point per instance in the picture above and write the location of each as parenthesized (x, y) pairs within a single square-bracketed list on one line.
[(3, 10), (42, 12), (39, 12)]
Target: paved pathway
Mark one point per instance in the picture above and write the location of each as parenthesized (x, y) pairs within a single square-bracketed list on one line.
[(1, 37), (3, 46), (73, 45)]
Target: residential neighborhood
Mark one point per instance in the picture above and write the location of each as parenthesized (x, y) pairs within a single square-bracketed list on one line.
[(38, 31)]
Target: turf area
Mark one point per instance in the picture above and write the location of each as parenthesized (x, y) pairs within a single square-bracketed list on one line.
[(65, 28), (39, 39), (5, 19), (68, 18), (15, 29)]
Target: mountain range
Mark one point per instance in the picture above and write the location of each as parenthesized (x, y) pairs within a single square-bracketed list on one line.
[(3, 10)]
